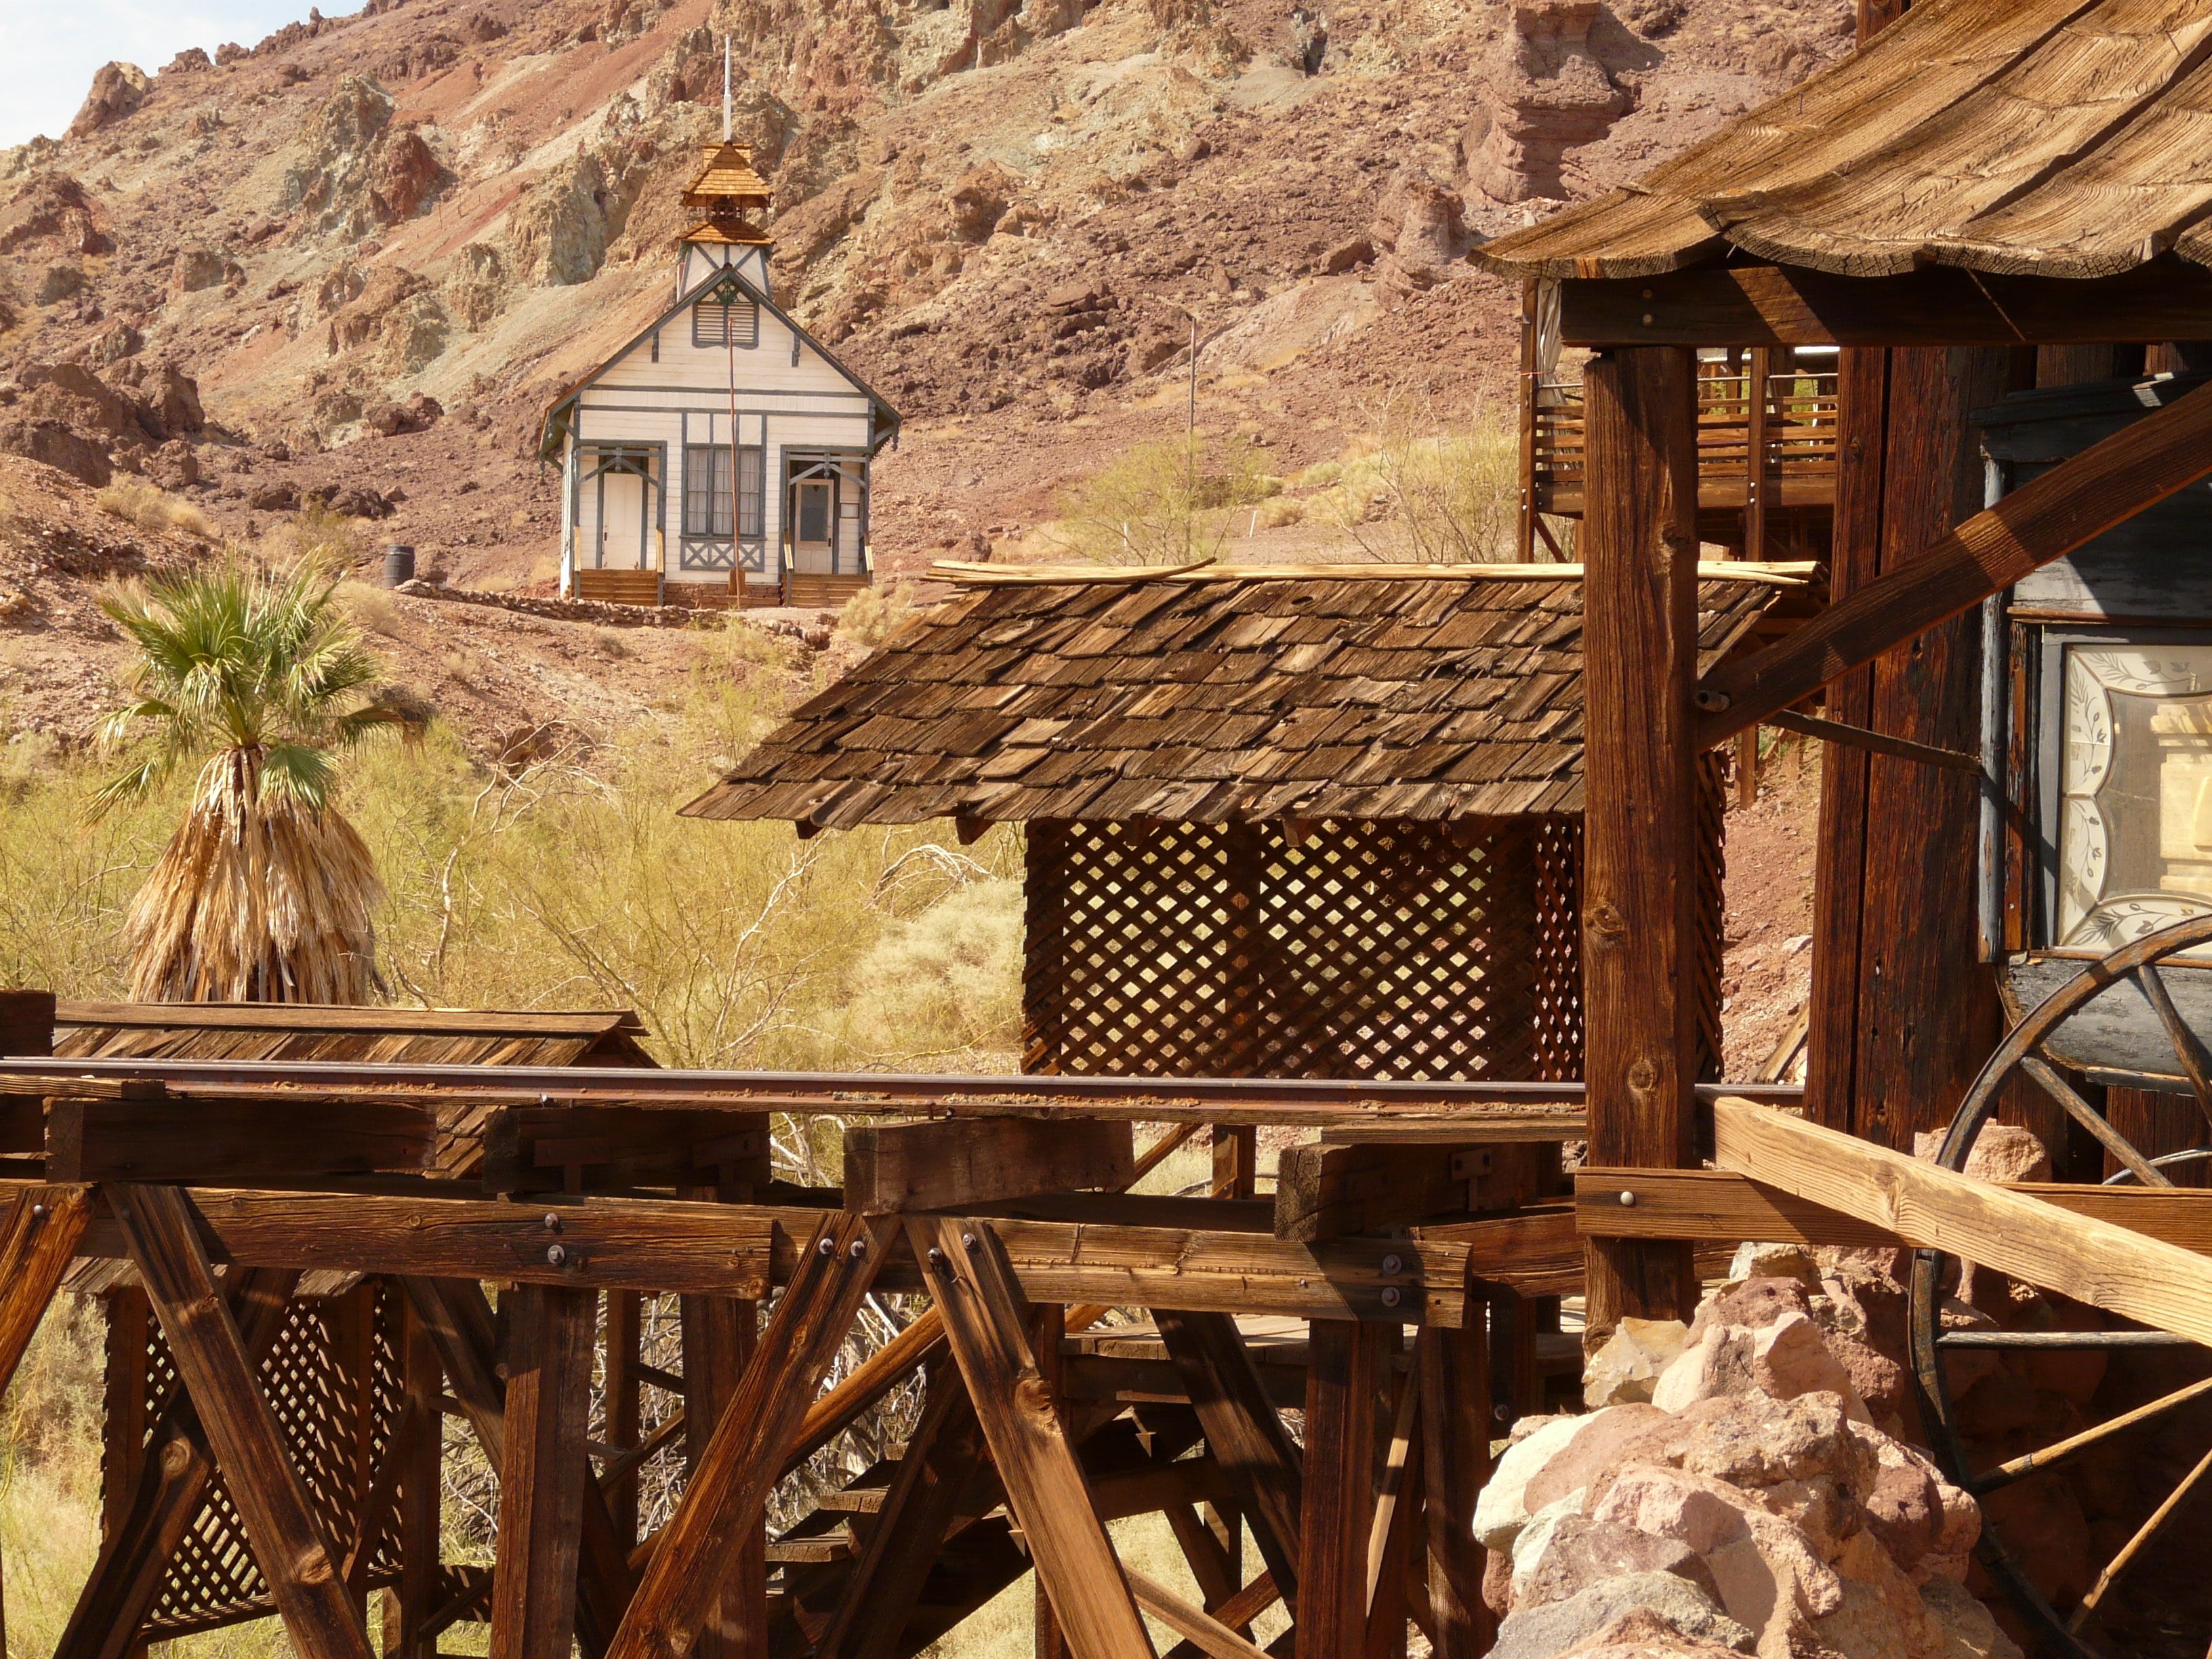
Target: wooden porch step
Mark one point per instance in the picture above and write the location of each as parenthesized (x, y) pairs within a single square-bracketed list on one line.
[(619, 587)]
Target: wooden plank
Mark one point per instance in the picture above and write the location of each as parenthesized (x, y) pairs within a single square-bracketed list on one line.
[(157, 1510), (1343, 1375), (249, 1445), (984, 1320), (2046, 518), (1749, 305), (1722, 1205), (250, 1141), (1640, 905), (956, 1162), (1244, 1433), (1390, 1534), (942, 1457), (2082, 1256), (544, 1473), (1878, 743), (529, 1149), (1452, 1369), (720, 1336), (289, 1016), (625, 1317), (730, 1486), (1326, 1191)]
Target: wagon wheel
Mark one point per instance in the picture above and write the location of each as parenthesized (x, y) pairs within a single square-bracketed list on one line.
[(2154, 1398)]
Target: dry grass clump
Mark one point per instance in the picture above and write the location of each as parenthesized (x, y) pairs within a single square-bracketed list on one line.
[(135, 501), (373, 610), (1423, 489)]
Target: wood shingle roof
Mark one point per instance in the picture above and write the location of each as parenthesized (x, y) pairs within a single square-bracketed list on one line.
[(1209, 697), (2068, 138)]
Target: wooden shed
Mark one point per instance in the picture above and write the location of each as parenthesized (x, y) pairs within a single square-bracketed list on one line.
[(1305, 822)]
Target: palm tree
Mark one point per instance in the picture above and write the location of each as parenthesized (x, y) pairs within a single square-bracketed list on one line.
[(264, 894)]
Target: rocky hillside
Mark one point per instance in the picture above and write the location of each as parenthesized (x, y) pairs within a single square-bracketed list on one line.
[(358, 257)]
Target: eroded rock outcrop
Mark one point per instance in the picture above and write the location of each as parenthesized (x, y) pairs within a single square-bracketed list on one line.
[(117, 91), (1544, 91)]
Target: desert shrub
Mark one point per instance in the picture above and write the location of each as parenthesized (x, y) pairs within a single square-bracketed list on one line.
[(875, 612), (372, 609), (135, 501), (1163, 502), (320, 532), (946, 983)]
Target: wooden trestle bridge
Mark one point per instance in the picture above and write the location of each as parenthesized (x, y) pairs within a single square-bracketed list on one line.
[(292, 1422)]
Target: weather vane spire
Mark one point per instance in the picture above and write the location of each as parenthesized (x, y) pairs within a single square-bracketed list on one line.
[(725, 88)]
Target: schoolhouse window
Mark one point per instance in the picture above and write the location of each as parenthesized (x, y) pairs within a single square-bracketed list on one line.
[(716, 324), (707, 499)]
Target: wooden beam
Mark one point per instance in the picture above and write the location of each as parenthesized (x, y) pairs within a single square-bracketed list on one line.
[(1344, 1369), (1537, 1251), (544, 1474), (1329, 1191), (1391, 1532), (1452, 1370), (421, 1489), (1929, 1207), (2164, 298), (171, 1489), (942, 1457), (252, 1141), (731, 1483), (957, 1163), (720, 1334), (1639, 876), (271, 1500), (2045, 519), (983, 1319), (735, 1249), (530, 1149), (1244, 1431)]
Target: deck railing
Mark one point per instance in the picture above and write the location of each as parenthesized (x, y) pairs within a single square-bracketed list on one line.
[(1795, 433)]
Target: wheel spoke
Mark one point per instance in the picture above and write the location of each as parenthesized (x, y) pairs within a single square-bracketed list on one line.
[(2092, 1120), (2134, 1545), (2005, 1473), (2195, 1065)]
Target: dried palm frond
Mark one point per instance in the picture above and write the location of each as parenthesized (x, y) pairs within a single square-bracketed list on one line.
[(264, 894)]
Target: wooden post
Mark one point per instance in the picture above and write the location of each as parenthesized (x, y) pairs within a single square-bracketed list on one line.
[(1091, 1600), (1525, 546), (1047, 1324), (421, 1488), (249, 1444), (1343, 1370), (541, 1477), (1640, 871), (1453, 1369), (720, 1336), (625, 1312)]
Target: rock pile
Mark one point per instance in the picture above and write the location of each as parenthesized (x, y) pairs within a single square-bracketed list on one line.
[(1743, 1486)]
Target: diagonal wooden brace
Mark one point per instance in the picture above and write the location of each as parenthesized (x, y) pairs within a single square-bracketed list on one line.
[(732, 1479), (974, 1287), (317, 1610)]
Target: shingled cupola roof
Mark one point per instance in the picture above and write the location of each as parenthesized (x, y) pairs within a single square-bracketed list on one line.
[(727, 189), (1229, 694), (2060, 138)]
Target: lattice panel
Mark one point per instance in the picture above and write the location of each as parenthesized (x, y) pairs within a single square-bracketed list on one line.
[(1385, 949), (333, 1380), (1375, 949)]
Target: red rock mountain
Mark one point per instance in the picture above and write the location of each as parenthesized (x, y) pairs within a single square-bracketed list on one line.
[(358, 256)]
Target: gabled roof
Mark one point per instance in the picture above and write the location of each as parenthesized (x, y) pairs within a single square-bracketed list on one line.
[(2066, 138), (886, 422), (1211, 696), (727, 176)]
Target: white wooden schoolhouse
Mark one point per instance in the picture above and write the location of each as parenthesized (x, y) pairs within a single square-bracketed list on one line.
[(723, 448)]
